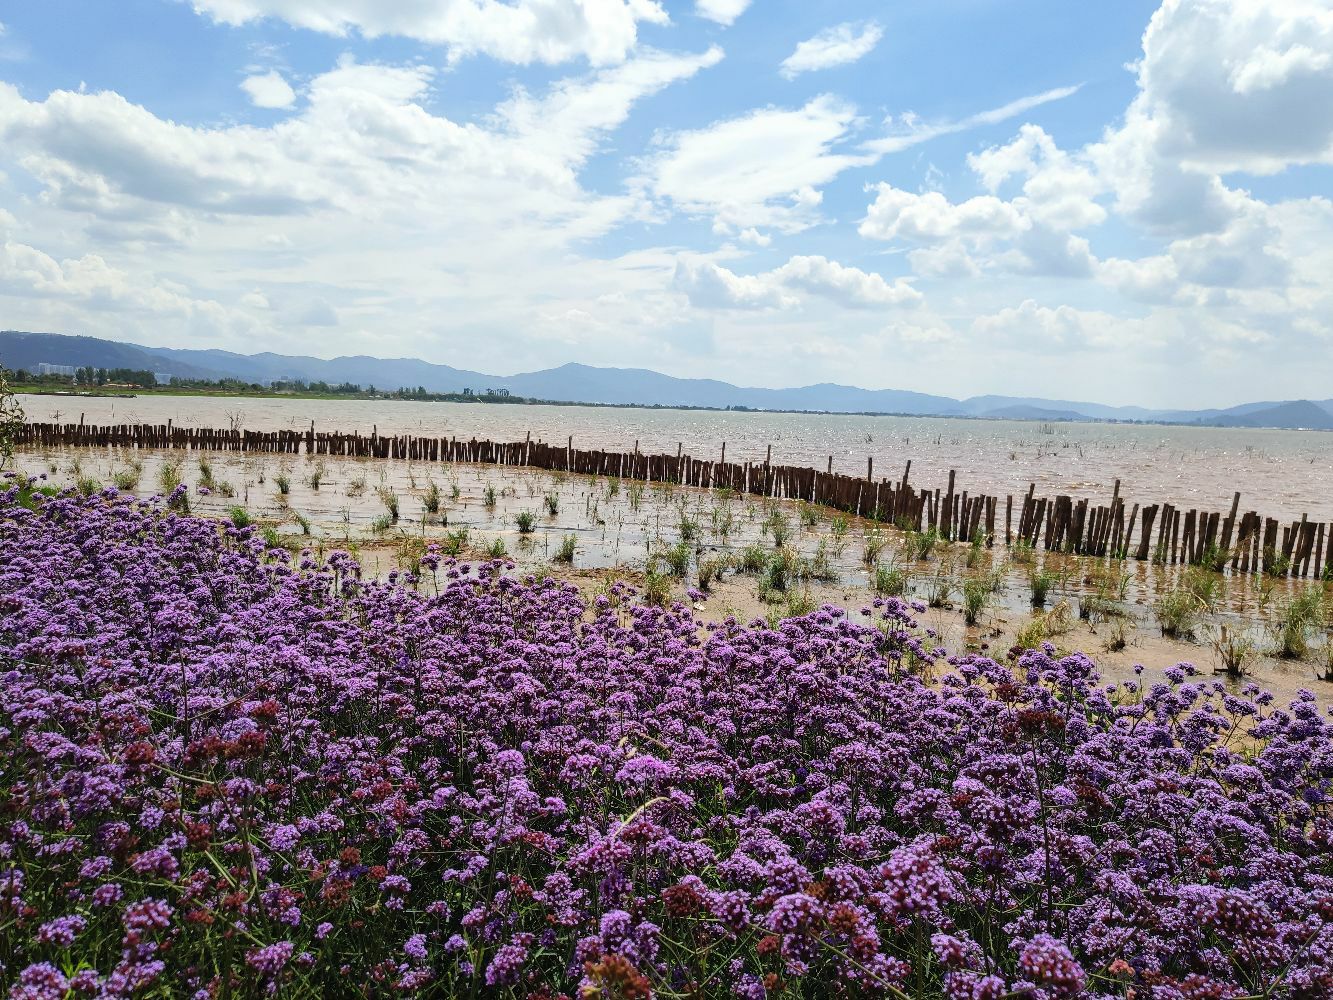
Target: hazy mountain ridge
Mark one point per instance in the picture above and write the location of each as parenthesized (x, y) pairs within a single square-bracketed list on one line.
[(587, 384)]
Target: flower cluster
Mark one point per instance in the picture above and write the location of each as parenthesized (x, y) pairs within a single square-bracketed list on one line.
[(225, 772)]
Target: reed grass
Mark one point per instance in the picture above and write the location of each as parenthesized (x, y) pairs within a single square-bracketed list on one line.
[(565, 552), (1235, 651), (390, 500), (430, 500), (890, 580), (1040, 581), (977, 596), (1301, 617)]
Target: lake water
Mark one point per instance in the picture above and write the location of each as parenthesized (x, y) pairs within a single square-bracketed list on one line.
[(1279, 473)]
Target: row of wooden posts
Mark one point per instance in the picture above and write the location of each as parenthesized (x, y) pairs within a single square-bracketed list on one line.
[(1166, 534)]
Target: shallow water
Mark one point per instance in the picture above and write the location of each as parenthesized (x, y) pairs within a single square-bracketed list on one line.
[(623, 527), (1281, 474)]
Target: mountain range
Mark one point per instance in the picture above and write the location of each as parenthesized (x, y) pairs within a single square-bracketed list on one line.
[(620, 386)]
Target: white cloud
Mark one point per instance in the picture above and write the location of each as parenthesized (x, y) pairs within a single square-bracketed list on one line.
[(711, 286), (765, 169), (1224, 86), (1238, 85), (363, 142), (91, 281), (848, 286), (724, 12), (835, 46), (762, 169), (1032, 326), (523, 31), (909, 130), (269, 90), (930, 217), (1057, 191), (362, 207)]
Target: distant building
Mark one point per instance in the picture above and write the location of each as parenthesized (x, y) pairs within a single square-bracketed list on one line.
[(45, 369)]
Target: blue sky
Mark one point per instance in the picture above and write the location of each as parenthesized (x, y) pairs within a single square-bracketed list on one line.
[(1121, 201)]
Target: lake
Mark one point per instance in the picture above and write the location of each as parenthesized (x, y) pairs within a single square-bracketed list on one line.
[(1279, 473)]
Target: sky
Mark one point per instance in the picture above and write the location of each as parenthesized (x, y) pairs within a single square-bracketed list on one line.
[(1114, 201)]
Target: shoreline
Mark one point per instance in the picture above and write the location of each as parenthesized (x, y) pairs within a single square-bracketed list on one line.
[(30, 390)]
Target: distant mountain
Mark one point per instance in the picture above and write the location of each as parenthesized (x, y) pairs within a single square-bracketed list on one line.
[(28, 350), (1301, 414), (639, 386), (988, 405)]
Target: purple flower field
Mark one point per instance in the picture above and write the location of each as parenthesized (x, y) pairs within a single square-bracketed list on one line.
[(225, 773)]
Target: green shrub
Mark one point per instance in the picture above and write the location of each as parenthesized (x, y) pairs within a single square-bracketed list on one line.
[(976, 598), (1041, 582), (169, 476), (920, 544), (890, 580), (1235, 651), (688, 528), (677, 558), (1177, 613), (240, 517), (809, 514), (939, 590), (710, 570), (975, 551), (454, 542), (873, 546), (430, 500), (525, 522), (753, 559), (1301, 617), (656, 589), (126, 480), (565, 553), (553, 504)]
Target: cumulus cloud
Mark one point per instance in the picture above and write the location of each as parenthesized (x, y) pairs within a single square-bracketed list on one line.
[(724, 12), (835, 46), (522, 31), (930, 217), (1238, 85), (709, 285), (269, 90), (1035, 326)]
